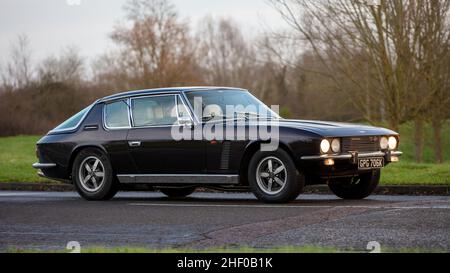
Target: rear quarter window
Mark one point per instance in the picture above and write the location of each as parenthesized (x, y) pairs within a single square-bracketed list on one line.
[(73, 121)]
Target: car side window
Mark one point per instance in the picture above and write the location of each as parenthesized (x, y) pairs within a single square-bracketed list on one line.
[(154, 111), (116, 115)]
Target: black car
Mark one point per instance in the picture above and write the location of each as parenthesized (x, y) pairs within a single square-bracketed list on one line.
[(134, 138)]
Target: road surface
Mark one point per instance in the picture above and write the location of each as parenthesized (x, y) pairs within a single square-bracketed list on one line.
[(49, 220)]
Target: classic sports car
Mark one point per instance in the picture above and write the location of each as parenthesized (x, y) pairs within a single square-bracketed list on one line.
[(128, 139)]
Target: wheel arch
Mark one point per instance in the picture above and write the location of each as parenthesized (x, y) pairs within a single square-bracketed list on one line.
[(77, 151), (249, 151)]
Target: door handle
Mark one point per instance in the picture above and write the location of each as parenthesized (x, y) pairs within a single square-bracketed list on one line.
[(90, 127), (134, 143)]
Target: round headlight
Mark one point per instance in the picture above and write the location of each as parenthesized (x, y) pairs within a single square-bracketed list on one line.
[(325, 146), (336, 145), (392, 143), (384, 143)]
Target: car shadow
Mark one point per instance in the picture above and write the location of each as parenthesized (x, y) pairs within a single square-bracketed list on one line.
[(222, 199)]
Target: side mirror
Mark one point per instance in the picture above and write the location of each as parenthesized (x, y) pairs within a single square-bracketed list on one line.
[(185, 121)]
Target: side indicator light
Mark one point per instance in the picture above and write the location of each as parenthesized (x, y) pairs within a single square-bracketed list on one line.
[(329, 162)]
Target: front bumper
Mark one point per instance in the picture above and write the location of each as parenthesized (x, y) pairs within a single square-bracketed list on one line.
[(354, 156), (340, 165)]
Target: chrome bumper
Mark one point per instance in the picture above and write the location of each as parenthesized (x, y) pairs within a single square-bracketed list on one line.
[(41, 174), (44, 165), (351, 155)]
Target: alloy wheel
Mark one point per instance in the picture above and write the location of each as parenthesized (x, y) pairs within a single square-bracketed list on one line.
[(91, 174), (271, 175)]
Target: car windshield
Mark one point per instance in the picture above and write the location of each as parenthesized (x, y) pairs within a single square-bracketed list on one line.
[(229, 104)]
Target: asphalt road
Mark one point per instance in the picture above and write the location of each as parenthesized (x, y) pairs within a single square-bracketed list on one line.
[(47, 221)]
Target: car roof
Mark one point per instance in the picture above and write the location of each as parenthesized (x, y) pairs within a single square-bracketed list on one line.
[(165, 91)]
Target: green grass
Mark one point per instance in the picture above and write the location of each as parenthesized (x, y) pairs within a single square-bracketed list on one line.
[(405, 173), (18, 153), (287, 249), (409, 173), (407, 142), (305, 249)]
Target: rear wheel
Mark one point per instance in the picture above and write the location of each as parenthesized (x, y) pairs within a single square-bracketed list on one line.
[(177, 192), (274, 178), (93, 176), (358, 187)]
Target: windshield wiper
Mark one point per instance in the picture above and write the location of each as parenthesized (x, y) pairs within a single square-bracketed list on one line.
[(208, 118)]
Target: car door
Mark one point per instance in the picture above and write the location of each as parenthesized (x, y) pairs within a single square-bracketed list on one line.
[(116, 124), (222, 154), (152, 144)]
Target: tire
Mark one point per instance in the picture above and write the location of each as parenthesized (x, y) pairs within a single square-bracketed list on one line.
[(177, 192), (265, 181), (355, 188), (105, 187)]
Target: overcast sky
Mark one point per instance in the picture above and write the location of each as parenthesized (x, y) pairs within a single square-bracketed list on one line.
[(54, 24)]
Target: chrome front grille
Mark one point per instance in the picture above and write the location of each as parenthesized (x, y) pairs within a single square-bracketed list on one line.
[(361, 144)]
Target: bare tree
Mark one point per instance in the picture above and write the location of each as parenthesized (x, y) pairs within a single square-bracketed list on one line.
[(108, 72), (434, 67), (298, 80), (155, 47), (376, 52), (351, 37), (18, 72), (68, 67), (275, 66), (226, 57)]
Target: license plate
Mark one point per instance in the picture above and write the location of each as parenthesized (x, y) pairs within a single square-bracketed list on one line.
[(371, 163)]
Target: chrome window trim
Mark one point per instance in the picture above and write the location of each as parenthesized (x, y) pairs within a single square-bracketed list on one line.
[(175, 95), (167, 90), (140, 93), (126, 101), (71, 129), (185, 106), (177, 110), (191, 109)]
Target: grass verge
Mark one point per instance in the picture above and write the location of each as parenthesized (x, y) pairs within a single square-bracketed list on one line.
[(405, 173), (17, 154), (287, 249)]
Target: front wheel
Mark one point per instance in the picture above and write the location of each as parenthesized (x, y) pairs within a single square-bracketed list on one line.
[(93, 176), (358, 187), (274, 178)]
